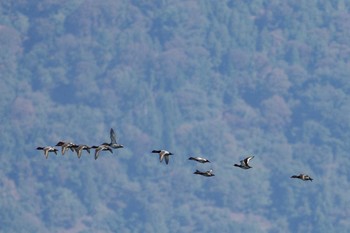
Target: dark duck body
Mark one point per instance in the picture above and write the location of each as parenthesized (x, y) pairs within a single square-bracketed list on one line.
[(302, 177), (205, 173)]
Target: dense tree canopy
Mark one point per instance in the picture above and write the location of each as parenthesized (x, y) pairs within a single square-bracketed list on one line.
[(218, 79)]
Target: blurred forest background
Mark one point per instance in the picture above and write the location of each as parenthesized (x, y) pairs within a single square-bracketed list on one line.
[(217, 79)]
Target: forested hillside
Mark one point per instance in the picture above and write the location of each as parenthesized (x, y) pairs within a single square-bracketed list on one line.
[(216, 79)]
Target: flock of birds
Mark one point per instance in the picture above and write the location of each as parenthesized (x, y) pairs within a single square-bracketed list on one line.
[(79, 148), (163, 154)]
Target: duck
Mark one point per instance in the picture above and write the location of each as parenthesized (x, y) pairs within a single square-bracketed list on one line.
[(66, 145), (199, 159), (113, 144), (47, 149), (302, 177), (244, 163), (163, 154), (206, 173), (101, 147), (80, 148)]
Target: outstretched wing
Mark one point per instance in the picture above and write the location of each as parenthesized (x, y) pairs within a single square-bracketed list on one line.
[(79, 150), (245, 162), (46, 151), (161, 156), (97, 153), (166, 159), (113, 136), (64, 148)]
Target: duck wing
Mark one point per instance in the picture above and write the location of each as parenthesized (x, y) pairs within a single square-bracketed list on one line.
[(166, 159), (79, 150), (113, 136), (161, 157), (64, 148), (97, 153), (46, 151), (245, 162)]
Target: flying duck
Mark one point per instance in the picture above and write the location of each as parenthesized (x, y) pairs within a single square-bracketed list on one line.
[(66, 145), (113, 144), (80, 148), (199, 159), (47, 149), (163, 154), (302, 177), (101, 148), (206, 173), (245, 163)]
